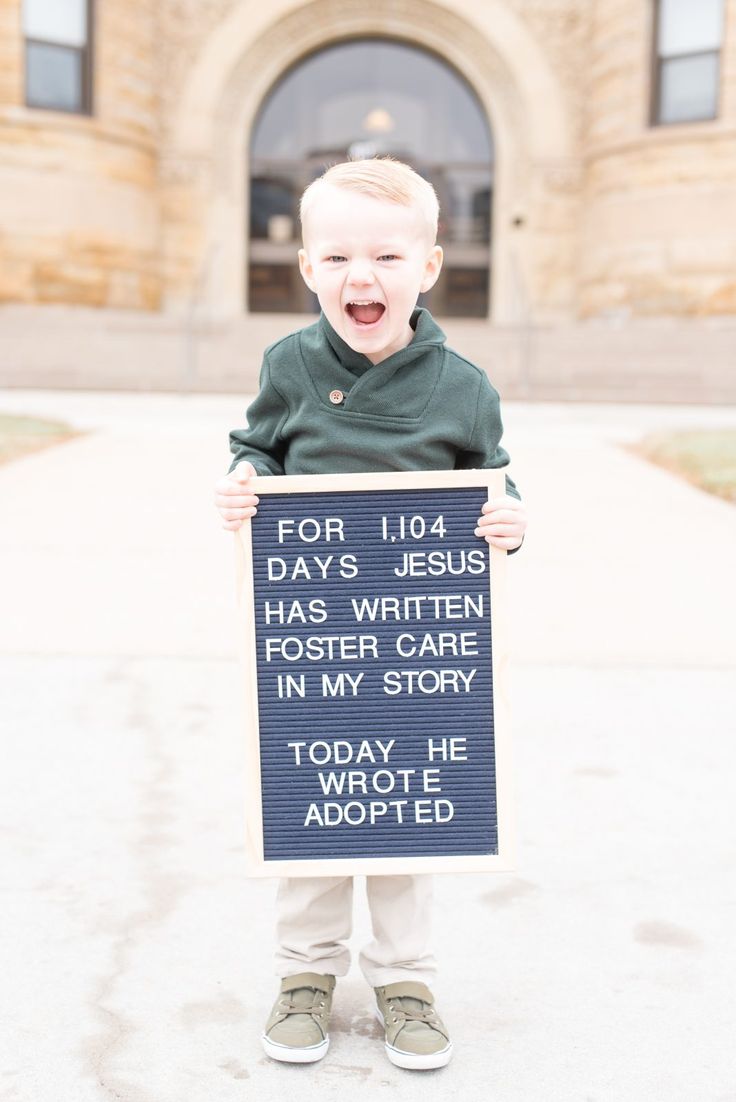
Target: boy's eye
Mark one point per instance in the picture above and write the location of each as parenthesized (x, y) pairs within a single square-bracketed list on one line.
[(389, 256), (336, 259)]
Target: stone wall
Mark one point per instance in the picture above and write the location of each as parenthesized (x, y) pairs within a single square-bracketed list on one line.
[(11, 54), (143, 206), (658, 236), (79, 215)]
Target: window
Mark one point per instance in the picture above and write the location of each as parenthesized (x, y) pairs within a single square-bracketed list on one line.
[(363, 98), (58, 62), (687, 62)]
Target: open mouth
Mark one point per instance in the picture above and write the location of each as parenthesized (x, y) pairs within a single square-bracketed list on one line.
[(365, 311)]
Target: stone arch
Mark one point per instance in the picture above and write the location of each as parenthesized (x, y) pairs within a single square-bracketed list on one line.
[(245, 56)]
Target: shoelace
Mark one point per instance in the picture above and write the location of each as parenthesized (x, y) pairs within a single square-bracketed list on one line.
[(288, 1006), (413, 1015)]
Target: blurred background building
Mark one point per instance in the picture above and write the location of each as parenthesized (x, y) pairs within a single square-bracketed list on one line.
[(584, 152)]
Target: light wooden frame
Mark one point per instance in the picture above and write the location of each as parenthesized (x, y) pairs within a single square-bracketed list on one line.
[(414, 480)]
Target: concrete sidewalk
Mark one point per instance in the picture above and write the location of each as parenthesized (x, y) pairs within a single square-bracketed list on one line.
[(137, 954)]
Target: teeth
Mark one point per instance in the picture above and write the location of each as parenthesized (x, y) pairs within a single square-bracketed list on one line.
[(362, 302)]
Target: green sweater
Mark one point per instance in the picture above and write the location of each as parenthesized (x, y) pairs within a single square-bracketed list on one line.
[(423, 408)]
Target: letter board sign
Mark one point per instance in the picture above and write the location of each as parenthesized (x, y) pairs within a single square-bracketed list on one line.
[(371, 620)]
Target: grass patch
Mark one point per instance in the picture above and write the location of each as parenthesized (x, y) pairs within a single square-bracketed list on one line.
[(23, 435), (705, 457)]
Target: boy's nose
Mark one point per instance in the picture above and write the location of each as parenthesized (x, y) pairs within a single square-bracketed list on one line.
[(361, 272)]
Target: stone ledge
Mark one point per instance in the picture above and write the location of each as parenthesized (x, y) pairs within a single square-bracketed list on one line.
[(643, 360)]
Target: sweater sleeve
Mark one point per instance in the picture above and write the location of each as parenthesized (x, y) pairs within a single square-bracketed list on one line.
[(484, 446), (261, 442)]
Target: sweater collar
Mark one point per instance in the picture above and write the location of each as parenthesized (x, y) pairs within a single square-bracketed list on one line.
[(427, 333)]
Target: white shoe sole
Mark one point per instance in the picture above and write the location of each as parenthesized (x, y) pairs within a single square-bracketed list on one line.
[(295, 1054), (416, 1061)]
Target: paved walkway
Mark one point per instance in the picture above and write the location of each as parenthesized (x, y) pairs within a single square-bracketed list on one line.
[(135, 951)]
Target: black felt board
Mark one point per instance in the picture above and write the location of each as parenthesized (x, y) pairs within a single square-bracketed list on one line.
[(328, 724)]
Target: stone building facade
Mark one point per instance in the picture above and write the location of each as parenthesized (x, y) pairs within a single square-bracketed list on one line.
[(124, 227)]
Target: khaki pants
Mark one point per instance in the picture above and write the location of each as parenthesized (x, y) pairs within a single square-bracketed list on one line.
[(314, 919)]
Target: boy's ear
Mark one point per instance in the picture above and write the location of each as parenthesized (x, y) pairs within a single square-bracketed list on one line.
[(305, 267), (432, 268)]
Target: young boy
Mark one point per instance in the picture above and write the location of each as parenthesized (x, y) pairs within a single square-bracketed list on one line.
[(369, 387)]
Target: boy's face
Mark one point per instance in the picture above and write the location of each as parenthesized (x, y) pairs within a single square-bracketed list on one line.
[(367, 261)]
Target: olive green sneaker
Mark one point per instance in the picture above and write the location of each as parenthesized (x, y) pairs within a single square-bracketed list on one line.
[(296, 1030), (416, 1037)]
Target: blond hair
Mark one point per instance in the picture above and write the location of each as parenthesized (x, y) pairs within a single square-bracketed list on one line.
[(380, 178)]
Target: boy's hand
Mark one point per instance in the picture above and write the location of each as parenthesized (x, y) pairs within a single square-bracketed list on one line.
[(503, 522), (234, 497)]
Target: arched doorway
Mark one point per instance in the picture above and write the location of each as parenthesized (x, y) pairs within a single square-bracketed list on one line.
[(366, 97)]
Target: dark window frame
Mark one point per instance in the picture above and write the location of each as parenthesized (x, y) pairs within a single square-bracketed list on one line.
[(658, 62), (86, 53)]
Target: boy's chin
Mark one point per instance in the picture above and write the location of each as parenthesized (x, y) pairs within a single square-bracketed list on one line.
[(376, 349)]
